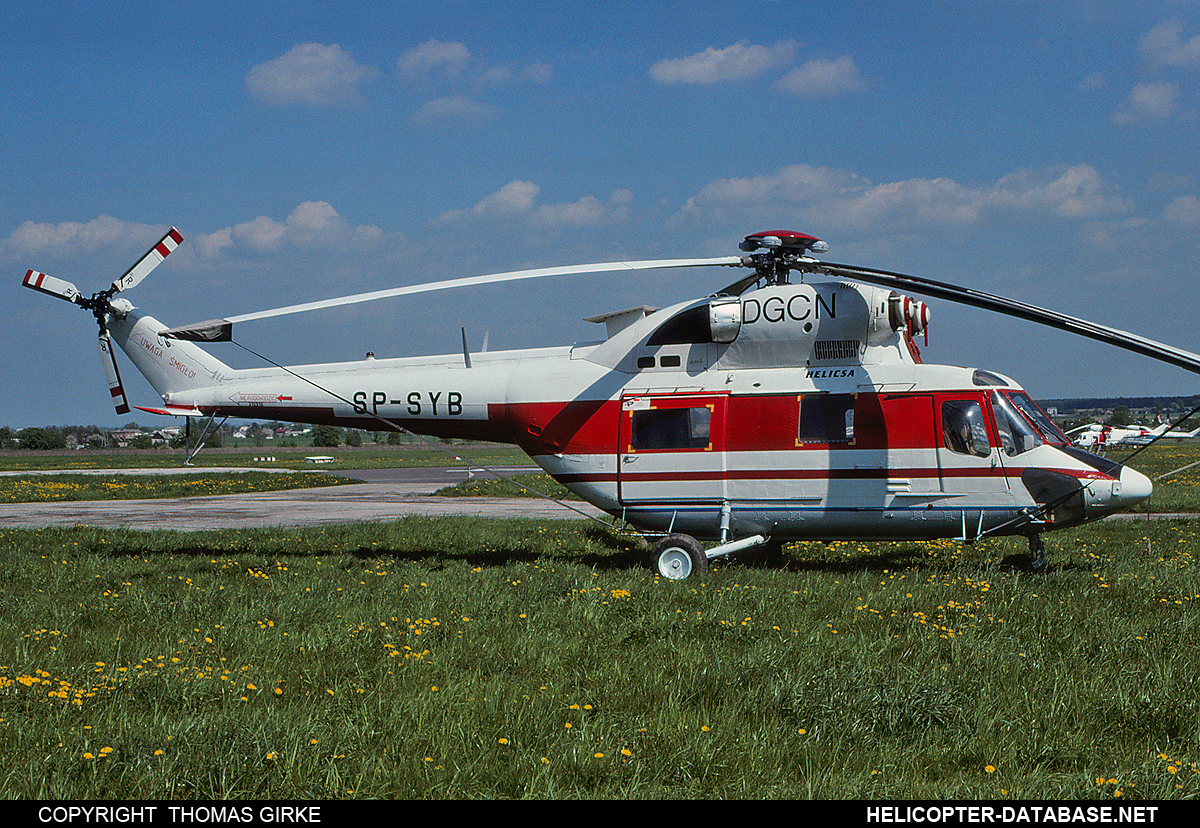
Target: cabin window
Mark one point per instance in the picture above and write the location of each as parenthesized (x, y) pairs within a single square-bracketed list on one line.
[(826, 418), (963, 428), (671, 428)]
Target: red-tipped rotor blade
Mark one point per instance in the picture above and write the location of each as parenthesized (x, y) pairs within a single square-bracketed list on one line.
[(153, 258), (49, 285), (108, 360)]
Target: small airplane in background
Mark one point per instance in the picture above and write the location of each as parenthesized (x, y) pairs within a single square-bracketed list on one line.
[(768, 411)]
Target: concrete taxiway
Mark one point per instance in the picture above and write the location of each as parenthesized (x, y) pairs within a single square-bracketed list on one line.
[(385, 494)]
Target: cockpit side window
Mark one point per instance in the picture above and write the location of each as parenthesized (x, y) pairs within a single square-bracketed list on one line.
[(963, 428)]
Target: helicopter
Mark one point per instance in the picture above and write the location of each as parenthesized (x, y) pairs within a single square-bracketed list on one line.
[(1095, 437), (793, 404)]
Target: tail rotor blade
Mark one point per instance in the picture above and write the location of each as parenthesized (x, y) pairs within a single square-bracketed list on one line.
[(108, 360), (153, 258), (51, 286)]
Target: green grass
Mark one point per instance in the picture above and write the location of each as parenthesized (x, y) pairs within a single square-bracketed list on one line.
[(521, 485), (421, 455), (463, 657), (66, 487)]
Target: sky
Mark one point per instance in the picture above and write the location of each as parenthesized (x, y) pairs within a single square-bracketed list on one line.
[(1044, 151)]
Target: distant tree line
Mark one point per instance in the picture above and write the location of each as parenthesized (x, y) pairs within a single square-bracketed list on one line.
[(52, 438)]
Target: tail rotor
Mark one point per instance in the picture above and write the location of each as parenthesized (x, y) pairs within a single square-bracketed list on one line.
[(101, 305)]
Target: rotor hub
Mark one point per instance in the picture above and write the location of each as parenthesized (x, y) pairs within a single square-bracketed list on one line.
[(782, 252)]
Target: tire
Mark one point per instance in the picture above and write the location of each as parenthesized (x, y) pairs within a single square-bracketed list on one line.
[(678, 557)]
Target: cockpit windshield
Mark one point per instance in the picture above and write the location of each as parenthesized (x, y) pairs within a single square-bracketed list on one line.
[(1022, 425), (1017, 435), (1049, 431)]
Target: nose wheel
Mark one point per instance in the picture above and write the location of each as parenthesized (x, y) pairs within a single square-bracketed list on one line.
[(1036, 562), (678, 557)]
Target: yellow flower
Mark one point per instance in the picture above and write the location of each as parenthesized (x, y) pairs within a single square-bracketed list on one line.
[(503, 741), (990, 768)]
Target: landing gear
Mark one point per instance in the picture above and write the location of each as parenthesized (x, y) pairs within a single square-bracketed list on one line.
[(1037, 553), (677, 557), (1034, 563)]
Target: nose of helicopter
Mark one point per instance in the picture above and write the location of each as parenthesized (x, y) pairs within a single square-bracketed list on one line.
[(1130, 488)]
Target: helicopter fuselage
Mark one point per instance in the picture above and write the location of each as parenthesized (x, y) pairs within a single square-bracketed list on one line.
[(795, 411)]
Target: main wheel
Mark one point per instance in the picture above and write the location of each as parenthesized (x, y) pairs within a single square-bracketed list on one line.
[(677, 557)]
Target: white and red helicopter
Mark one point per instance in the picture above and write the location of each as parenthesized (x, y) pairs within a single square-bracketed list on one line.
[(1096, 437), (770, 411)]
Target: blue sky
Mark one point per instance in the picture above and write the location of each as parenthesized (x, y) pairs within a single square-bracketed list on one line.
[(1046, 151)]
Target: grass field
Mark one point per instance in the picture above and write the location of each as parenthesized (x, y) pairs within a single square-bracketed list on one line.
[(469, 658), (68, 487), (462, 657)]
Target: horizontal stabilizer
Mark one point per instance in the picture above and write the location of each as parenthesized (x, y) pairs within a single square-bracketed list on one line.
[(173, 412), (214, 330)]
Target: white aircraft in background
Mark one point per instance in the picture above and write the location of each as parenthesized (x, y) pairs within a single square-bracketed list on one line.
[(1097, 436)]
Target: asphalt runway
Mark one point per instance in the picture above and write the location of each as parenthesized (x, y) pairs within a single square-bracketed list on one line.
[(385, 494)]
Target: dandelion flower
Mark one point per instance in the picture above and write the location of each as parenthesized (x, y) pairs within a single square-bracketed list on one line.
[(990, 768)]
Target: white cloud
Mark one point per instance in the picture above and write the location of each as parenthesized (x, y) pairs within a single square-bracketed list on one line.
[(588, 211), (516, 202), (1151, 100), (1164, 46), (447, 57), (822, 78), (456, 108), (310, 74), (1184, 211), (538, 74), (513, 199), (1076, 192), (828, 197), (71, 238), (737, 62), (260, 235)]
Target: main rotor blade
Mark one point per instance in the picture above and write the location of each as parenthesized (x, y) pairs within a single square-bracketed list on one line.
[(108, 360), (221, 330), (153, 258), (1011, 307), (51, 286)]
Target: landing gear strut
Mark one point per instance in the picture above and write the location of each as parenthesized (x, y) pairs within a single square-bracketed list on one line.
[(1034, 563), (1037, 553)]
